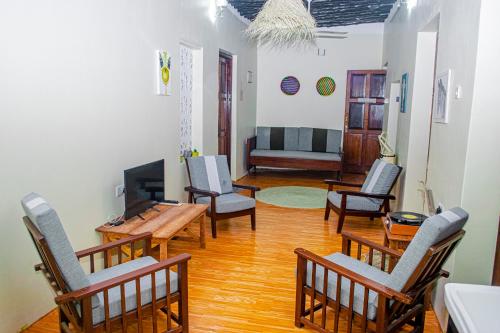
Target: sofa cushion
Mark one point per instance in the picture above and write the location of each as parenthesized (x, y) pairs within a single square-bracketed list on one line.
[(291, 138), (357, 267), (353, 202), (210, 173), (309, 155), (320, 140), (277, 138), (114, 295), (263, 137), (432, 231), (228, 203)]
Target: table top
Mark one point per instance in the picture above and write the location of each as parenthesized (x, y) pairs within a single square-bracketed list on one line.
[(163, 224), (392, 237)]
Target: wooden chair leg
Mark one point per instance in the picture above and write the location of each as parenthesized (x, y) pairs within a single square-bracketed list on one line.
[(214, 226), (63, 322), (253, 221), (327, 211), (300, 297), (420, 321), (341, 221)]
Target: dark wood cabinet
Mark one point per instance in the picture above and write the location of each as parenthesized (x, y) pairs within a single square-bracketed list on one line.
[(364, 117)]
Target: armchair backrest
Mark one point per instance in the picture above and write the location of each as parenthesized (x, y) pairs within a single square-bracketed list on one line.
[(429, 249), (210, 173), (47, 222), (381, 178)]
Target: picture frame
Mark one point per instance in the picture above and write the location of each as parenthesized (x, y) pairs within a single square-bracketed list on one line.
[(403, 101), (441, 103), (163, 73)]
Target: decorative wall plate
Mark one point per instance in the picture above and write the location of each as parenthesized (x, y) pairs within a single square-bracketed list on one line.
[(325, 86), (290, 85)]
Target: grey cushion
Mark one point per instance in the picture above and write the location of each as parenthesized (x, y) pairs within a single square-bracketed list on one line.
[(227, 203), (263, 137), (305, 138), (353, 202), (380, 179), (296, 154), (291, 138), (47, 221), (114, 295), (210, 173), (333, 141), (357, 267), (432, 231)]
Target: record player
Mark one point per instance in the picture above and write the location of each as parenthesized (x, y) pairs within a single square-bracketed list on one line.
[(405, 223)]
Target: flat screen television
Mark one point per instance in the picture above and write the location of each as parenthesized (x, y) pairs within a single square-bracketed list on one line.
[(144, 187)]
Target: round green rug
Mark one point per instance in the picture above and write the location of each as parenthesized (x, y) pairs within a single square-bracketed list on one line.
[(293, 196)]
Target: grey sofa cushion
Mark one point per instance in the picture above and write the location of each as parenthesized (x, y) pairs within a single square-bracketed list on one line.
[(296, 154), (263, 137), (114, 295), (305, 138), (227, 203), (353, 202), (380, 179), (432, 231), (47, 221), (291, 138), (357, 267), (210, 173), (333, 141)]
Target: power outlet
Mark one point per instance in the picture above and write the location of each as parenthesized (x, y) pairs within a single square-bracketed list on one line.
[(119, 190)]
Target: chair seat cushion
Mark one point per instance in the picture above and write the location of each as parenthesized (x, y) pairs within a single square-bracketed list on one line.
[(309, 155), (114, 295), (228, 203), (357, 267), (353, 202)]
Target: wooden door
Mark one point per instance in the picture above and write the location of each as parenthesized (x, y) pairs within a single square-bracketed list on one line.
[(364, 117), (225, 98)]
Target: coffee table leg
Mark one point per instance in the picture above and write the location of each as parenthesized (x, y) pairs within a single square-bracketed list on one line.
[(202, 231), (108, 255), (163, 250)]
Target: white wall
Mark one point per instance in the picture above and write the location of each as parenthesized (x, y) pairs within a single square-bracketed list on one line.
[(78, 106), (361, 50), (463, 160)]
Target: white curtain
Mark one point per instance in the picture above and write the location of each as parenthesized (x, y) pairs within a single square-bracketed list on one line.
[(186, 91)]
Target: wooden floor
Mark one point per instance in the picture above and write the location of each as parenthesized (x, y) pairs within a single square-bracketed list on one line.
[(244, 281)]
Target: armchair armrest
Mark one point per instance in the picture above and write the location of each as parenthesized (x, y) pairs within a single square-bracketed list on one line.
[(354, 277), (368, 195), (341, 183), (247, 187), (252, 189), (201, 192), (80, 294), (347, 237), (112, 245)]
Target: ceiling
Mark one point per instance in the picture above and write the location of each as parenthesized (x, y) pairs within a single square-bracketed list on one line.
[(330, 13)]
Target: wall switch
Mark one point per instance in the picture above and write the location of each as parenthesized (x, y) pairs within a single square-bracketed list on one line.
[(119, 190)]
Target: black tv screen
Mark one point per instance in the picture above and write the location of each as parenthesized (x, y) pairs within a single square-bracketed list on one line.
[(144, 187)]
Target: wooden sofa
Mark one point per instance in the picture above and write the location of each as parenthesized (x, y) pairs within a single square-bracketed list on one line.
[(296, 148)]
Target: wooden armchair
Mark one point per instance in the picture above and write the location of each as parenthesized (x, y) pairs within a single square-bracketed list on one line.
[(371, 201), (210, 183), (378, 301), (115, 297)]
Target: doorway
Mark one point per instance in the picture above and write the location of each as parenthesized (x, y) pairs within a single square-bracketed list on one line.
[(225, 100), (364, 118)]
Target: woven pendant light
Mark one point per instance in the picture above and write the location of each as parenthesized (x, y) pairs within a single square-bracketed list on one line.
[(283, 23)]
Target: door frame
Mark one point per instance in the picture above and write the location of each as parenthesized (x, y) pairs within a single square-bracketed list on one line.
[(228, 146)]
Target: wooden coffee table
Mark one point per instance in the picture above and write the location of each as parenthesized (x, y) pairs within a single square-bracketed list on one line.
[(164, 222)]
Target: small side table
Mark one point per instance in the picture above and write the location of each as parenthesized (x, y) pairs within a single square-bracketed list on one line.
[(395, 242)]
